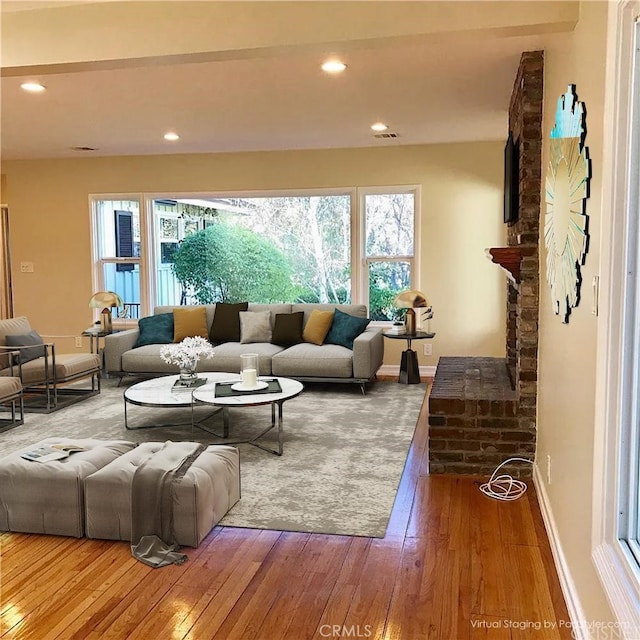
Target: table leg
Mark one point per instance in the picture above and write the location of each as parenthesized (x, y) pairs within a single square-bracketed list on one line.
[(255, 442), (409, 373), (276, 422), (169, 425), (199, 424)]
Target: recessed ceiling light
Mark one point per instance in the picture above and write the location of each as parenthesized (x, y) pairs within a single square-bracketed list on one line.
[(379, 126), (171, 136), (334, 66), (33, 87)]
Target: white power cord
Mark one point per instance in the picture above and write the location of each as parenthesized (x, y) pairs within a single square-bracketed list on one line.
[(505, 487)]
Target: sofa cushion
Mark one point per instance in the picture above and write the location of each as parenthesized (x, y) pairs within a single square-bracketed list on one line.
[(313, 361), (317, 326), (68, 366), (226, 322), (26, 340), (227, 357), (359, 310), (255, 326), (147, 359), (9, 387), (155, 329), (189, 322), (274, 308), (287, 328), (345, 329), (13, 326)]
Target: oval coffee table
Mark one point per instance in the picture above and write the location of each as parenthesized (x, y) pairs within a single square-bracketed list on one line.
[(158, 392), (290, 389)]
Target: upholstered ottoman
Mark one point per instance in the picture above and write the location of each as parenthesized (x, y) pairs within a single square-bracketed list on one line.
[(209, 488), (48, 497)]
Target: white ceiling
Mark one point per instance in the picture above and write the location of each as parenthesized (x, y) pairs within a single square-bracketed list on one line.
[(428, 92)]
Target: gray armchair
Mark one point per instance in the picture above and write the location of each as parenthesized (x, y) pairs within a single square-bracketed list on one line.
[(49, 380), (11, 397)]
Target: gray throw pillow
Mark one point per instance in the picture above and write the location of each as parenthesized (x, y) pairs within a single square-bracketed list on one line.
[(255, 326), (26, 340)]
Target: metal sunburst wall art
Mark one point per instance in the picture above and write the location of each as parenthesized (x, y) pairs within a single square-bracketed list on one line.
[(567, 189)]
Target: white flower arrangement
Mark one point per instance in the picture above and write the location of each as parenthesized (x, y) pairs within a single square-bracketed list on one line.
[(187, 353)]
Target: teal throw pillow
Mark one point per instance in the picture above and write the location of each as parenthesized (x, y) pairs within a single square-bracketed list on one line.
[(155, 330), (345, 329)]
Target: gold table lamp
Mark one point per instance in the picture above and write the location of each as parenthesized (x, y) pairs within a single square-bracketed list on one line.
[(410, 300), (105, 300)]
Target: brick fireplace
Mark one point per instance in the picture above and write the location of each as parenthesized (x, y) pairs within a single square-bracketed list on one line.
[(483, 410)]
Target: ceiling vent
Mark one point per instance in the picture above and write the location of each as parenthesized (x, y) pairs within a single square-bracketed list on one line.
[(385, 135), (84, 148)]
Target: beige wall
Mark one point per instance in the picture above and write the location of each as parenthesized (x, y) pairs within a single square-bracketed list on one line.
[(461, 216), (567, 360), (92, 33)]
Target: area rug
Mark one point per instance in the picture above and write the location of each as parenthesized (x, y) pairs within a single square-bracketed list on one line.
[(343, 457)]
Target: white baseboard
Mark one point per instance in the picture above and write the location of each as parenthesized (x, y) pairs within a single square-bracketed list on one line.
[(394, 370), (576, 612)]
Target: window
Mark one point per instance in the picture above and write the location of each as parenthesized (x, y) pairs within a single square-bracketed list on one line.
[(389, 257), (173, 221), (629, 452), (616, 538), (322, 246), (117, 250)]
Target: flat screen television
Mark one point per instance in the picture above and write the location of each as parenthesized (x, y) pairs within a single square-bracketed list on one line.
[(511, 179)]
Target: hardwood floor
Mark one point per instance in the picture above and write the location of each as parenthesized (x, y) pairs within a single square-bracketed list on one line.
[(454, 565)]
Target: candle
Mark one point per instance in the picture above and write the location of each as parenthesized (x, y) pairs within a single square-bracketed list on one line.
[(249, 377)]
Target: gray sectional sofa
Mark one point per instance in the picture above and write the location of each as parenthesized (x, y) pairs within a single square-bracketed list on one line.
[(303, 361)]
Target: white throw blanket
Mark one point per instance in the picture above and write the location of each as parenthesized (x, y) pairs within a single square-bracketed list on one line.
[(152, 495)]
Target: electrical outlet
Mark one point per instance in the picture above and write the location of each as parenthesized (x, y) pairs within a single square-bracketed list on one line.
[(427, 349), (78, 342), (548, 469), (26, 267)]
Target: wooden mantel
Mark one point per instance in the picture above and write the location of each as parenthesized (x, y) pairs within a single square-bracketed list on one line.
[(509, 259)]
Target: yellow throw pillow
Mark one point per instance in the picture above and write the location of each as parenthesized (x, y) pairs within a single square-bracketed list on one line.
[(317, 326), (189, 322)]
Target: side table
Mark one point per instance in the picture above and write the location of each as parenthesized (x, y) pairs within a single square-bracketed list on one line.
[(409, 373), (94, 336)]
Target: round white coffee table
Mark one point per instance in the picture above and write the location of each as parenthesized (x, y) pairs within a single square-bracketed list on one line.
[(159, 393), (290, 389)]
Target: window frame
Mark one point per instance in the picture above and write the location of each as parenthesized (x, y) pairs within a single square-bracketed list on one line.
[(629, 492), (149, 239), (99, 262), (615, 564), (414, 260)]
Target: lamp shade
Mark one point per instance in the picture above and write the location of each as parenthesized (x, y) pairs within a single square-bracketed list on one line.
[(105, 299), (411, 299)]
